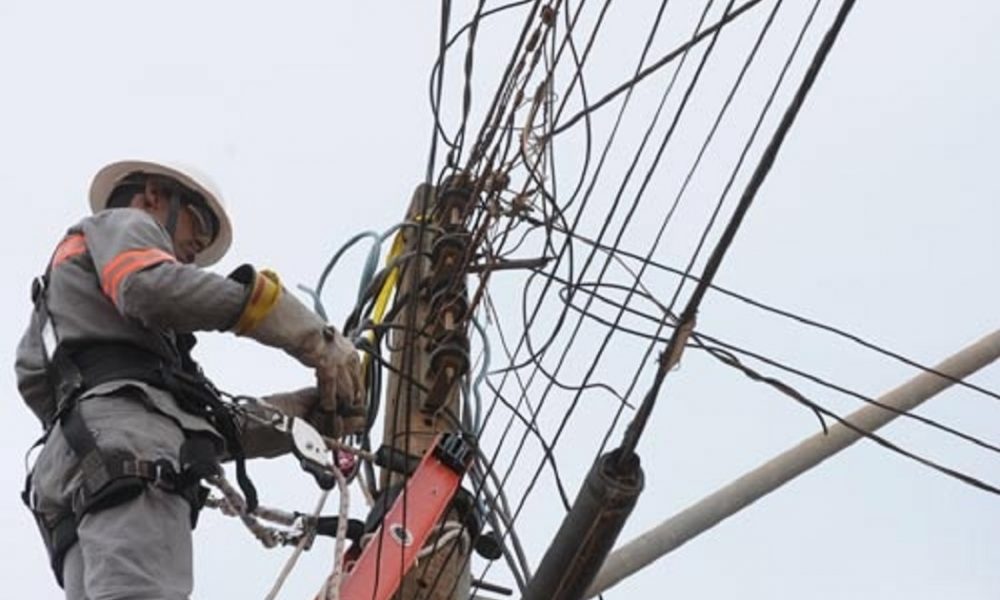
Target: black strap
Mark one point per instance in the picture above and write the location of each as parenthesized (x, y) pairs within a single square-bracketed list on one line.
[(84, 368), (220, 416), (26, 491), (113, 477), (110, 361), (172, 214), (61, 539), (94, 466)]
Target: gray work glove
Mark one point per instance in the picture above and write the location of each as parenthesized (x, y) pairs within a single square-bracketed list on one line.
[(291, 326), (305, 404)]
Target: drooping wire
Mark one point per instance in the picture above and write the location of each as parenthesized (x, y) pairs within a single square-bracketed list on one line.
[(730, 359)]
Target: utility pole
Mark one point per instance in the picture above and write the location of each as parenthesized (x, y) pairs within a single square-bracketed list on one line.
[(429, 356), (730, 499)]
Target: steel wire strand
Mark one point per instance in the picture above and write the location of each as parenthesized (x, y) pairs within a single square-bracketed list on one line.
[(437, 73), (636, 427), (467, 86), (746, 149), (618, 196), (808, 321), (454, 39), (552, 63), (580, 321), (579, 76), (771, 362), (667, 59), (546, 84), (547, 448), (484, 137), (527, 327), (578, 61), (567, 246), (668, 311), (521, 506), (442, 54), (639, 195), (530, 424), (724, 352), (852, 393), (731, 360)]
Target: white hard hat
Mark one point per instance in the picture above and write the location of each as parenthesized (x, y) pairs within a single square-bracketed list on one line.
[(111, 175)]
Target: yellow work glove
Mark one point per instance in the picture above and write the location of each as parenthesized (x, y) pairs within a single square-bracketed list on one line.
[(276, 318)]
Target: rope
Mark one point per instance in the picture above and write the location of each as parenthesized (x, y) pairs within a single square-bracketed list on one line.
[(331, 587), (233, 503), (304, 543)]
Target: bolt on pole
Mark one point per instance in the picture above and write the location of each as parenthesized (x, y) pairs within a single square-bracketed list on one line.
[(737, 495)]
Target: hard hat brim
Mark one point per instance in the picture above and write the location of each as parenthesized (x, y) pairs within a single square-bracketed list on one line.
[(108, 177)]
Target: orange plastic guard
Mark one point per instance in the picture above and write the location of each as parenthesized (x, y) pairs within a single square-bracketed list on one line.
[(393, 549)]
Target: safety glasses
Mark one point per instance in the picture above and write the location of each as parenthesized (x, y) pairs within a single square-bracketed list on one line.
[(202, 219), (191, 201)]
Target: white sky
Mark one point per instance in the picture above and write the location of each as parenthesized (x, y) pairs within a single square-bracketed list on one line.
[(879, 217)]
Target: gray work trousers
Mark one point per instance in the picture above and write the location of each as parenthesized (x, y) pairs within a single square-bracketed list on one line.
[(139, 550)]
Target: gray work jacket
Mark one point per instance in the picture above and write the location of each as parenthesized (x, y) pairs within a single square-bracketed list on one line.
[(114, 278)]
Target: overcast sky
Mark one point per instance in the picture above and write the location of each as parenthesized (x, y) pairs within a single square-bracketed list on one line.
[(880, 217)]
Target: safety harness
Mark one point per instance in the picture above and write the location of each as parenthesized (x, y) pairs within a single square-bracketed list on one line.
[(111, 477)]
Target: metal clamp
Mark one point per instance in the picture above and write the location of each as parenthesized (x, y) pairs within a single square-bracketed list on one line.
[(310, 448)]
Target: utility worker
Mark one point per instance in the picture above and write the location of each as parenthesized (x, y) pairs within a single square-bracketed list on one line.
[(131, 422)]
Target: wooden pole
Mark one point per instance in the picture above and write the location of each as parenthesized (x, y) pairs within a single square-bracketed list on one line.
[(420, 402)]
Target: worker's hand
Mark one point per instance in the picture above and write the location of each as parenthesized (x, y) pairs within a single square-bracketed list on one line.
[(341, 385), (300, 403), (274, 317), (305, 404)]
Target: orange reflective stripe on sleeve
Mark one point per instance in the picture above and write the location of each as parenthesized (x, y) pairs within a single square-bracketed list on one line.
[(129, 262), (71, 246)]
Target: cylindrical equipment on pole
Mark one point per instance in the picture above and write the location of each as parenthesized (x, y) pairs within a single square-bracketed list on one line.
[(589, 531)]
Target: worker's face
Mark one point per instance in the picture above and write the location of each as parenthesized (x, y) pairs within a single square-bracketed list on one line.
[(191, 234)]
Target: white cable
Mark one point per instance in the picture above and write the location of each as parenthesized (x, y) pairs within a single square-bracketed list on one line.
[(307, 538), (331, 587), (365, 490), (449, 530)]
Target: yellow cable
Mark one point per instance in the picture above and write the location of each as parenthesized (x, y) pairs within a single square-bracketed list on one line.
[(390, 282), (382, 300)]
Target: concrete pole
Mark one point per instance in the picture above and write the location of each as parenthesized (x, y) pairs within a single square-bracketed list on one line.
[(735, 496)]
